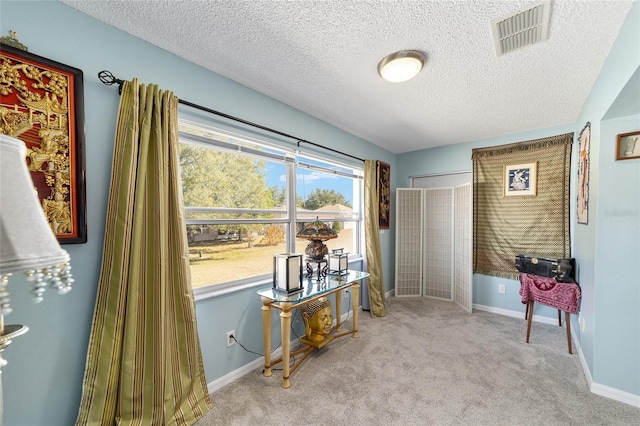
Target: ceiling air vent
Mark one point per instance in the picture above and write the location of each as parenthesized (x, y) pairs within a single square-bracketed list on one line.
[(521, 28)]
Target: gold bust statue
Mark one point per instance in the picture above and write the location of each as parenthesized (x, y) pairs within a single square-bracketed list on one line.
[(318, 321)]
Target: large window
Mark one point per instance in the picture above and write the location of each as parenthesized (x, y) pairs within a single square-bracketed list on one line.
[(245, 200)]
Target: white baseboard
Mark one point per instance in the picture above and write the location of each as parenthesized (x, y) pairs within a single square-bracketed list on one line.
[(514, 314), (235, 375), (583, 360), (616, 394), (597, 388)]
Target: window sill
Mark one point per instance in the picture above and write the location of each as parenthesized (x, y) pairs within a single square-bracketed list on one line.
[(222, 289)]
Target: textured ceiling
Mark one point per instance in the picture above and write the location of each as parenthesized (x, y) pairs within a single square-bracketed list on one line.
[(321, 57)]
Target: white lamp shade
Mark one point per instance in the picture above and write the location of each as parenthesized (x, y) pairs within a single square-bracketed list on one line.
[(26, 239), (287, 272)]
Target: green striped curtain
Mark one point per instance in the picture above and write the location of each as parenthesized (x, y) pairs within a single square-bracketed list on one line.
[(144, 365), (375, 281)]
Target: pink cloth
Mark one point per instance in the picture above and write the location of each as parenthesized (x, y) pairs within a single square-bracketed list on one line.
[(548, 291)]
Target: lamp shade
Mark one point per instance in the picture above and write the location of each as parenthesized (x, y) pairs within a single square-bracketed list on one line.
[(27, 243), (317, 230), (26, 239)]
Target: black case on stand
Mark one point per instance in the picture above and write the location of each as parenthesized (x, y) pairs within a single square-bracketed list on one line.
[(562, 270)]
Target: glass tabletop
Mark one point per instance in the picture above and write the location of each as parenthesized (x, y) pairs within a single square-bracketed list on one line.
[(313, 287)]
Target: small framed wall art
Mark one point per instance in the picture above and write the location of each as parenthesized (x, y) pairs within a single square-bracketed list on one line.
[(583, 174), (520, 179), (384, 194), (628, 146)]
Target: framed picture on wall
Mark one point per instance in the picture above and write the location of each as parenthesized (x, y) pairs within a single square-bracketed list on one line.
[(520, 179), (42, 104), (384, 194), (583, 175), (628, 146)]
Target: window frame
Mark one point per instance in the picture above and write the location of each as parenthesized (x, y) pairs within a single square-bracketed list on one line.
[(292, 159)]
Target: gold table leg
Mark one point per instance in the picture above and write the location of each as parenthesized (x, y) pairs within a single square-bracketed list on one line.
[(266, 333), (354, 303), (338, 309), (285, 332)]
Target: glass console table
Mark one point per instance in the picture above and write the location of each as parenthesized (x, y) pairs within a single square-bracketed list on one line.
[(285, 303)]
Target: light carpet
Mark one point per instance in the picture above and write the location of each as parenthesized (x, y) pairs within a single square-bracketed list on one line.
[(428, 362)]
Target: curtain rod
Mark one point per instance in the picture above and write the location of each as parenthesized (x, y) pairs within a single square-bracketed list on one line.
[(106, 77)]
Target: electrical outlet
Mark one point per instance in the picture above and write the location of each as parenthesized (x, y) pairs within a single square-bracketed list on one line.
[(502, 289), (582, 324), (230, 338)]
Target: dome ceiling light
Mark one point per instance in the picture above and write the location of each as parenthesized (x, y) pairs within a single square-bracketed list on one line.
[(401, 66)]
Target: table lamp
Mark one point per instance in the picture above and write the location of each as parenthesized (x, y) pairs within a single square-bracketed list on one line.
[(27, 243), (287, 272), (317, 232), (338, 262)]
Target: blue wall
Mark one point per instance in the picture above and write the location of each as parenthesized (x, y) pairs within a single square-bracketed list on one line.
[(43, 379), (607, 247), (617, 281)]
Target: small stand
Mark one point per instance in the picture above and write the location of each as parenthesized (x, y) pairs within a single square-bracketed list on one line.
[(322, 268)]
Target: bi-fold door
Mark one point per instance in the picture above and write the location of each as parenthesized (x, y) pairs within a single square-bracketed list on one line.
[(433, 243)]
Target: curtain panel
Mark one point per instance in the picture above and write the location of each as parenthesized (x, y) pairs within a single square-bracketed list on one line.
[(372, 239), (534, 224), (144, 364)]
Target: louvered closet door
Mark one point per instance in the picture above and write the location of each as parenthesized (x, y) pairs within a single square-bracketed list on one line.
[(438, 243), (408, 242), (462, 277)]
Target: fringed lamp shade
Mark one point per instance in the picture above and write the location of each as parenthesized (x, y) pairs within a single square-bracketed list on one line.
[(317, 232), (27, 243)]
